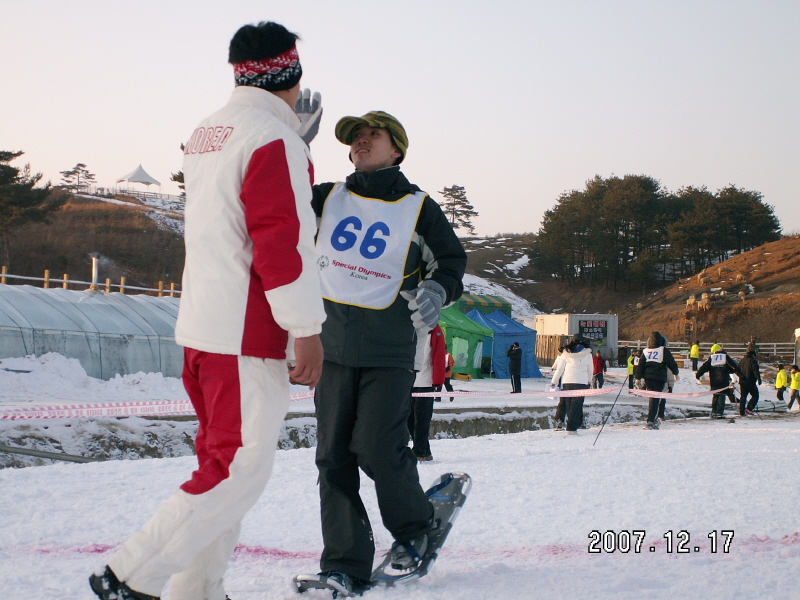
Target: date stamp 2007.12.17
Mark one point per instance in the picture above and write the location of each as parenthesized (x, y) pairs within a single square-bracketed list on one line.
[(625, 541)]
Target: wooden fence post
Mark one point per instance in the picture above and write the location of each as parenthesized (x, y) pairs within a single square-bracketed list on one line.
[(172, 289), (64, 285), (121, 285), (46, 278), (3, 278), (160, 289), (108, 285)]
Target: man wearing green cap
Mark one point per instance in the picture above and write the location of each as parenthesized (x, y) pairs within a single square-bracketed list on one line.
[(389, 260)]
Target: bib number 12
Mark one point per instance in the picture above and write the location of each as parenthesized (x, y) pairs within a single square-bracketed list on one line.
[(345, 237)]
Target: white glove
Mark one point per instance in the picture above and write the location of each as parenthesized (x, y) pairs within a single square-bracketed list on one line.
[(309, 110), (425, 303)]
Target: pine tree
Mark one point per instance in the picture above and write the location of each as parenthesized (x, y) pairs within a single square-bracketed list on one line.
[(20, 201), (178, 178), (457, 208), (77, 178)]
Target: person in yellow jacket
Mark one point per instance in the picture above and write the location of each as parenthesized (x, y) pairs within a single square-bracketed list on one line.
[(694, 354), (781, 381), (633, 360), (715, 347), (795, 385)]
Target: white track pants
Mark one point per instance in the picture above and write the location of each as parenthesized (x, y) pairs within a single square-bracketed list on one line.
[(241, 402)]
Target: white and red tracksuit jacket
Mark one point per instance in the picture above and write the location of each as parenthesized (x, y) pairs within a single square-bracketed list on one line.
[(250, 277)]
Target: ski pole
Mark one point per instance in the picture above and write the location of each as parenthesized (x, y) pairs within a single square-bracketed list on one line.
[(607, 416)]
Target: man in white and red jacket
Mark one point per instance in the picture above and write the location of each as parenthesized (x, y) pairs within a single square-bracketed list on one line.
[(249, 320)]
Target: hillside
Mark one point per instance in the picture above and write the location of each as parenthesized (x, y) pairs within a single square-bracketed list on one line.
[(125, 234), (769, 275), (503, 260)]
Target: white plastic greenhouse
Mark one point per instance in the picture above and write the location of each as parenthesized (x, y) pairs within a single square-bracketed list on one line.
[(109, 334)]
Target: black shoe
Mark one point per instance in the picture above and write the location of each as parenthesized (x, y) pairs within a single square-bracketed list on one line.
[(408, 555), (345, 585), (108, 587)]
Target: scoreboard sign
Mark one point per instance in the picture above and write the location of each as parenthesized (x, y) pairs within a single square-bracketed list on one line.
[(596, 331)]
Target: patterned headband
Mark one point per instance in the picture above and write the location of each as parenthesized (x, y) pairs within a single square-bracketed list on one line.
[(272, 74)]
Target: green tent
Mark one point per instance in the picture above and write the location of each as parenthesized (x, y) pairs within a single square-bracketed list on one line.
[(483, 304), (464, 338)]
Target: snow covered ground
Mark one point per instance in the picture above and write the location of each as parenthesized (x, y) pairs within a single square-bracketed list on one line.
[(525, 531)]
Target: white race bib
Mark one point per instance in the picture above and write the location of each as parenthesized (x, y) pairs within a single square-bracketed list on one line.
[(655, 355), (362, 247), (718, 360)]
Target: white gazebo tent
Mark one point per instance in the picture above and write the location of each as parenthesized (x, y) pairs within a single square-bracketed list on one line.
[(139, 175)]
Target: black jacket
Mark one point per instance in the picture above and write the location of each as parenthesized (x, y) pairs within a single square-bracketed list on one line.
[(656, 371), (360, 337), (514, 355), (720, 377), (749, 368)]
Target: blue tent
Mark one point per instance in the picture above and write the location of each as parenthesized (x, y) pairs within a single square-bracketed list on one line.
[(506, 332)]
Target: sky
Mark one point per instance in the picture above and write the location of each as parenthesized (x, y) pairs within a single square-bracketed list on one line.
[(517, 101), (525, 530)]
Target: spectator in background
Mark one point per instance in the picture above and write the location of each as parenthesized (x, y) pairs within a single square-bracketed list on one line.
[(694, 355), (781, 382), (514, 354), (795, 386), (448, 373), (575, 371), (430, 357), (749, 381), (715, 348), (633, 360), (556, 362), (599, 369)]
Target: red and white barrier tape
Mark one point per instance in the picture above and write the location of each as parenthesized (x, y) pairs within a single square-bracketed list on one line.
[(106, 409), (649, 394), (184, 407), (544, 394)]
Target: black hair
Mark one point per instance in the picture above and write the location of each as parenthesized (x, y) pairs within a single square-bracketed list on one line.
[(257, 42)]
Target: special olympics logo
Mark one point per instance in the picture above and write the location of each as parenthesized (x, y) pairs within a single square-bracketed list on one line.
[(323, 262)]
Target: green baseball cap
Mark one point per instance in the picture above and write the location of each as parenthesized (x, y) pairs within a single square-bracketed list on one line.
[(378, 119)]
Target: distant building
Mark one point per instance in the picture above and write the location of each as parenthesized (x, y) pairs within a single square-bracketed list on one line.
[(555, 330)]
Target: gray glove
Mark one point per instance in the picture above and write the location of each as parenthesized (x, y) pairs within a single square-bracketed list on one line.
[(425, 303), (309, 110)]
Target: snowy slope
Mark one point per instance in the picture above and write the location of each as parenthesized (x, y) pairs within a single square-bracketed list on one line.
[(519, 306)]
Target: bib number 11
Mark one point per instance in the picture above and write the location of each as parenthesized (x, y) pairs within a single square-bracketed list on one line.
[(345, 237)]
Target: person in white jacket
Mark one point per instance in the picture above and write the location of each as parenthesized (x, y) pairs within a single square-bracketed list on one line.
[(250, 317), (574, 370)]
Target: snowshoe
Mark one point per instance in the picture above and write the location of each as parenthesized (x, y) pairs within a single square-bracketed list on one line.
[(341, 584), (447, 495)]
